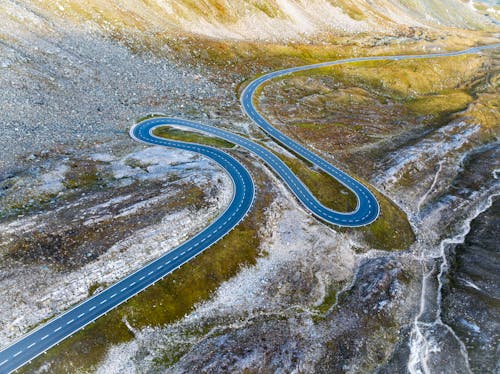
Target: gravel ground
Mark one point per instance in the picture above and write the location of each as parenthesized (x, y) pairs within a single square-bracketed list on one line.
[(77, 89)]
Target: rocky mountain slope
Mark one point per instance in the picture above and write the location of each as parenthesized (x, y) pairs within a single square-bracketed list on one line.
[(256, 19)]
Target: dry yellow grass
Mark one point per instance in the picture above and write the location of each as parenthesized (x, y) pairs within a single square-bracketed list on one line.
[(261, 19), (407, 78)]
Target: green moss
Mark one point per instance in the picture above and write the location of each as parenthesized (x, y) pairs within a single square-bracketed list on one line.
[(95, 287), (82, 174), (172, 356), (191, 137), (329, 300), (149, 116), (486, 112)]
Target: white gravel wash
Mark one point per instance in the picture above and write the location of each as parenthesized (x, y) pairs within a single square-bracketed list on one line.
[(449, 138), (52, 182)]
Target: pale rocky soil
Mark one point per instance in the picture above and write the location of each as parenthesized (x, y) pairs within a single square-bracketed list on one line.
[(41, 284)]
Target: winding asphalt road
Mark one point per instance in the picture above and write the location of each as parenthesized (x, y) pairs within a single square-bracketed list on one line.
[(41, 339)]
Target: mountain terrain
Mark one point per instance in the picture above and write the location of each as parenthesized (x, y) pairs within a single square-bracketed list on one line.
[(82, 205)]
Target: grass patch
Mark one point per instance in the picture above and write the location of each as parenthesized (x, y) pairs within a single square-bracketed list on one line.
[(169, 299), (440, 104), (406, 78), (324, 126), (329, 300), (82, 174), (326, 189), (486, 111), (171, 133), (392, 230), (352, 11), (96, 287), (407, 81), (149, 116)]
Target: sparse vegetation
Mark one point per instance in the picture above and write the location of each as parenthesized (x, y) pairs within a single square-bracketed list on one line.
[(326, 189), (82, 174), (169, 299), (191, 137), (75, 245)]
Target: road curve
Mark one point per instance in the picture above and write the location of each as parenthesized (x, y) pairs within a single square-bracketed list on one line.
[(367, 208), (41, 339), (51, 333)]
